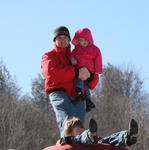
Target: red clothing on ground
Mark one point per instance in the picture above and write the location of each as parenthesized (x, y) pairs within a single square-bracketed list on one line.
[(84, 147)]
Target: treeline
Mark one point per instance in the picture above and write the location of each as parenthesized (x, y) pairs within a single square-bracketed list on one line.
[(28, 123)]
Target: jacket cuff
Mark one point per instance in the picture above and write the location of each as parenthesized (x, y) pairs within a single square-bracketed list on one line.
[(76, 72), (91, 77)]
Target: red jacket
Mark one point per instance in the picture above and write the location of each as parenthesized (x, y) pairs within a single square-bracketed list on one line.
[(59, 72), (90, 56)]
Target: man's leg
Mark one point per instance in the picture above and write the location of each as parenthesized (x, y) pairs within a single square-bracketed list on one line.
[(89, 103), (78, 110), (62, 107)]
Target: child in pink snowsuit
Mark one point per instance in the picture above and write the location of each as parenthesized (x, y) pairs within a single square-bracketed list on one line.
[(86, 54)]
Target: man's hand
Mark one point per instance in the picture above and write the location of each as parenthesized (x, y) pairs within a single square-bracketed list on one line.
[(84, 73)]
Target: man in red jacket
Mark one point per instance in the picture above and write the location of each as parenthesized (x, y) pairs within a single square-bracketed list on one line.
[(60, 77)]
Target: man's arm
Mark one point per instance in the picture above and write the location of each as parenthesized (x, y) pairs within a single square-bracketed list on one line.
[(57, 72)]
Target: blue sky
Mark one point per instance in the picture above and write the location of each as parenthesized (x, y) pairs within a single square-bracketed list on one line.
[(119, 27)]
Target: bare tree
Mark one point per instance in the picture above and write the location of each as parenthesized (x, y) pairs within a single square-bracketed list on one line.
[(24, 123), (121, 97), (38, 93)]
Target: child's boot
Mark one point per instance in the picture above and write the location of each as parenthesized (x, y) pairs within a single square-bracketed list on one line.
[(89, 105)]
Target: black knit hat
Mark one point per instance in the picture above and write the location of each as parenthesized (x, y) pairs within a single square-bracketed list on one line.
[(61, 30)]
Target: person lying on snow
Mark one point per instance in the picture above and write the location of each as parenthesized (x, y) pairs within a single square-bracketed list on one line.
[(74, 133)]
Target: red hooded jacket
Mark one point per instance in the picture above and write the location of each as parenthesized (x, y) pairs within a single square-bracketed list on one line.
[(59, 72), (90, 56)]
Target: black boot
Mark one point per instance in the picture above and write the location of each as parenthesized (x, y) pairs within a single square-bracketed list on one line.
[(92, 134), (89, 105), (132, 132)]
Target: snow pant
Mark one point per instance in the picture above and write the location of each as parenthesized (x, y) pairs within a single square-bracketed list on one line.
[(115, 139), (63, 108)]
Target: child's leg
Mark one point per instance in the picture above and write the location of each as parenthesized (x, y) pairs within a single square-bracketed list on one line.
[(89, 103), (79, 89), (87, 91), (79, 83)]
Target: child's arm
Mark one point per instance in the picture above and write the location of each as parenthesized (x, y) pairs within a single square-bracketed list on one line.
[(92, 81), (98, 62)]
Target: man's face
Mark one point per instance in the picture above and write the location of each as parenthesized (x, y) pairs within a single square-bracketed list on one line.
[(62, 41)]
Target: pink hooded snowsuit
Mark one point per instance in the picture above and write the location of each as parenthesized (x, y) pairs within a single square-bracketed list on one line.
[(90, 56)]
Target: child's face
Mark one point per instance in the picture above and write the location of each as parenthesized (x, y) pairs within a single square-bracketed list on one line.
[(77, 131), (83, 42)]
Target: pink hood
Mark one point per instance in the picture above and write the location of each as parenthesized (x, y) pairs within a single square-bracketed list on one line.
[(83, 33)]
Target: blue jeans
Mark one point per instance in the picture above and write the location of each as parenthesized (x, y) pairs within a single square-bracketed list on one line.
[(63, 108), (115, 139), (82, 85)]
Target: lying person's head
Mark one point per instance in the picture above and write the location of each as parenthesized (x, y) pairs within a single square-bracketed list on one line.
[(73, 127)]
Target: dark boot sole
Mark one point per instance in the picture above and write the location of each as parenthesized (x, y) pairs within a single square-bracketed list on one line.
[(133, 127), (93, 126)]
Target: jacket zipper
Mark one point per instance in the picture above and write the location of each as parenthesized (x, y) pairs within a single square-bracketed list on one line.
[(70, 64)]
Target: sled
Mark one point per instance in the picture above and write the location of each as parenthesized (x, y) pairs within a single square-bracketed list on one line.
[(84, 147)]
